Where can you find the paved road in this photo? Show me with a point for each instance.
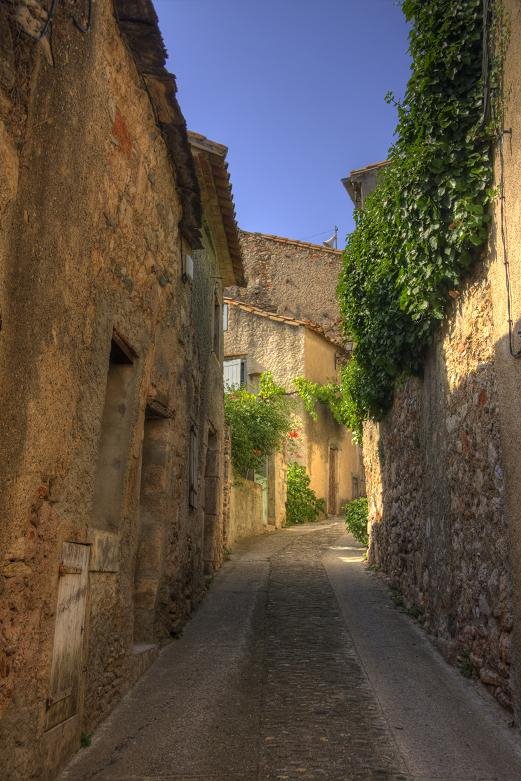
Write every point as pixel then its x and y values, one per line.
pixel 298 666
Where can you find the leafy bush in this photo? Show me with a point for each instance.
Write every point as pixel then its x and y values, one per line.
pixel 259 423
pixel 302 504
pixel 427 220
pixel 356 519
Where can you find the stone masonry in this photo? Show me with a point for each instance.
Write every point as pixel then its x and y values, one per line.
pixel 293 278
pixel 111 471
pixel 436 496
pixel 443 468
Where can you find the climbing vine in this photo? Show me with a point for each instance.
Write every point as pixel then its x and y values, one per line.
pixel 427 220
pixel 312 393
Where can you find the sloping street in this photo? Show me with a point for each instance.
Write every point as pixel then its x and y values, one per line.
pixel 298 665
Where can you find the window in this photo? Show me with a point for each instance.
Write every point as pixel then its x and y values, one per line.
pixel 234 371
pixel 192 469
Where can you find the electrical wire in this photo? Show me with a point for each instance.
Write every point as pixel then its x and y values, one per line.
pixel 48 21
pixel 514 353
pixel 85 28
pixel 50 16
pixel 314 235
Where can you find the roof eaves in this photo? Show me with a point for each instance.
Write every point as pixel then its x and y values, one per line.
pixel 352 183
pixel 216 155
pixel 286 319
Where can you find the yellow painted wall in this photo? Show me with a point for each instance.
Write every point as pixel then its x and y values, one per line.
pixel 325 433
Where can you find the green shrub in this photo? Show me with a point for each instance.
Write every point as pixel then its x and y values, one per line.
pixel 302 504
pixel 259 423
pixel 356 519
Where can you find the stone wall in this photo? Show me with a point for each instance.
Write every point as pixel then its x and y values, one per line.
pixel 245 511
pixel 96 215
pixel 443 467
pixel 292 278
pixel 436 495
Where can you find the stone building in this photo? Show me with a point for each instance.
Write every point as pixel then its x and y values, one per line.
pixel 257 340
pixel 443 469
pixel 292 278
pixel 116 235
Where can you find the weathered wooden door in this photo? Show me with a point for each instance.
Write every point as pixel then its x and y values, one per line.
pixel 333 482
pixel 62 702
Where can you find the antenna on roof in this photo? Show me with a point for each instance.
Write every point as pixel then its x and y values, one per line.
pixel 333 241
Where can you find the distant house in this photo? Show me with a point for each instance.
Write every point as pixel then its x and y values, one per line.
pixel 291 277
pixel 361 182
pixel 257 340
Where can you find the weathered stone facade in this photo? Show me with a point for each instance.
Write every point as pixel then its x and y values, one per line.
pixel 443 469
pixel 293 278
pixel 105 471
pixel 436 495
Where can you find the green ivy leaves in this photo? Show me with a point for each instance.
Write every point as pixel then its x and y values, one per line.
pixel 427 220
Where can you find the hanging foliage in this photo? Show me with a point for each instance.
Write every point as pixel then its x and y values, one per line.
pixel 427 220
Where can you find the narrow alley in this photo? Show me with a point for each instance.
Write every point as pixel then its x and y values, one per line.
pixel 260 381
pixel 298 665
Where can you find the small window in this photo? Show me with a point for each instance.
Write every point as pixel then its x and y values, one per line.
pixel 192 470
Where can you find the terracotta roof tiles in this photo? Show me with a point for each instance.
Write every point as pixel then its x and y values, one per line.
pixel 294 242
pixel 286 319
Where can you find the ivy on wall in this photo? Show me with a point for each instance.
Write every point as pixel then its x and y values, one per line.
pixel 427 220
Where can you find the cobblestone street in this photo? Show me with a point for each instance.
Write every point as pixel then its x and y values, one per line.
pixel 275 678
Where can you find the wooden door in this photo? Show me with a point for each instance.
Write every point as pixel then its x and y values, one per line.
pixel 333 482
pixel 62 702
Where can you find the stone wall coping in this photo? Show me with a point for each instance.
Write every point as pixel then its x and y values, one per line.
pixel 294 242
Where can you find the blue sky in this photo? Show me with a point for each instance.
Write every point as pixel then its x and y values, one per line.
pixel 295 89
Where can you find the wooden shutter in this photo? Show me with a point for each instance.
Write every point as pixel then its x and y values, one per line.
pixel 232 373
pixel 62 702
